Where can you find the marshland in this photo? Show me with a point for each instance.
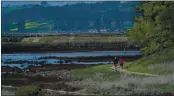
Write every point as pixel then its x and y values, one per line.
pixel 69 49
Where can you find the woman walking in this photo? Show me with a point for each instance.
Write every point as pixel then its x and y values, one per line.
pixel 115 62
pixel 121 61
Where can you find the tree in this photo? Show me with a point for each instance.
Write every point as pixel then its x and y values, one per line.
pixel 79 16
pixel 167 19
pixel 154 27
pixel 44 3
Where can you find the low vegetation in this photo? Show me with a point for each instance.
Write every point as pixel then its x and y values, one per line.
pixel 115 83
pixel 12 75
pixel 30 90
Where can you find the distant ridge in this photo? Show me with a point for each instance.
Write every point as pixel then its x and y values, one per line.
pixel 52 3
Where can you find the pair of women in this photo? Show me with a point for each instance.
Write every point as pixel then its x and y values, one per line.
pixel 118 61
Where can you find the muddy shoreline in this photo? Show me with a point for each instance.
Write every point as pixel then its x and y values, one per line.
pixel 73 46
pixel 59 67
pixel 90 58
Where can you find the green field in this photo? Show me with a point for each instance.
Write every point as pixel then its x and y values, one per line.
pixel 33 26
pixel 30 26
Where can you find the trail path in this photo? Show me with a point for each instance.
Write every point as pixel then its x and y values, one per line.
pixel 130 72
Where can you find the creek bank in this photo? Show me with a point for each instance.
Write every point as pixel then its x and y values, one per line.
pixel 90 58
pixel 71 45
pixel 20 79
pixel 21 49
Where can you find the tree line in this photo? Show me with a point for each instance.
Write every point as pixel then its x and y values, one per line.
pixel 80 16
pixel 154 26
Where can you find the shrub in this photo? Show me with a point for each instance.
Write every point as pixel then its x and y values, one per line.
pixel 30 90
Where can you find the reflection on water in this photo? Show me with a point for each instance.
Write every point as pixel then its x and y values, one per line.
pixel 30 57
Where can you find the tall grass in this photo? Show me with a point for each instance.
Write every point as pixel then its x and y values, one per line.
pixel 127 85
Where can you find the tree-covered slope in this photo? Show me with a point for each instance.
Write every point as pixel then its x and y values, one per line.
pixel 81 16
pixel 154 27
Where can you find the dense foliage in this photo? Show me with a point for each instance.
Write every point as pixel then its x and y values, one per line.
pixel 154 27
pixel 80 16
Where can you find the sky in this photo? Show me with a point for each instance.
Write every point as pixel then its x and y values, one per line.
pixel 53 3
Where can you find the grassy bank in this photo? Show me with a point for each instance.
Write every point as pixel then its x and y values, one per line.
pixel 158 63
pixel 54 38
pixel 100 73
pixel 97 73
pixel 50 44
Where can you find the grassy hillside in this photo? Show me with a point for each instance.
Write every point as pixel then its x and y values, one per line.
pixel 37 26
pixel 30 26
pixel 159 63
pixel 33 26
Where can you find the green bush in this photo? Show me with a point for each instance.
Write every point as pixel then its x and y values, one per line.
pixel 30 90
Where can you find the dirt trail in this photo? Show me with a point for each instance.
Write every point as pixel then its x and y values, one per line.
pixel 136 73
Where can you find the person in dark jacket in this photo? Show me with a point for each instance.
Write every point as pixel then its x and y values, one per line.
pixel 115 62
